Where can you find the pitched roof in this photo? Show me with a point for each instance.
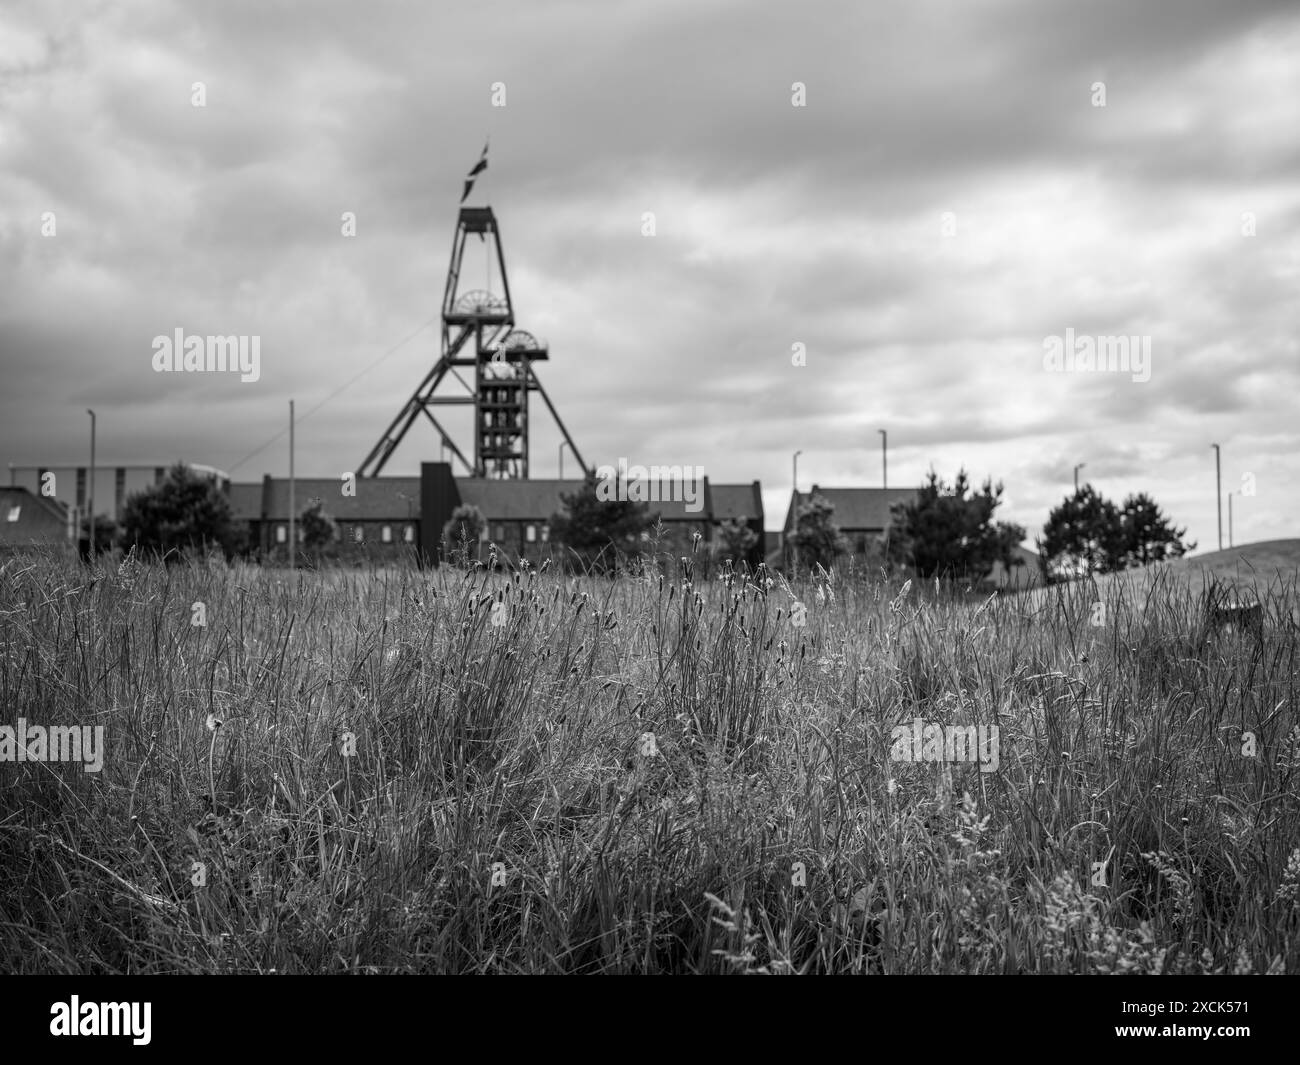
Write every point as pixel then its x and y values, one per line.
pixel 39 517
pixel 538 500
pixel 246 501
pixel 377 498
pixel 516 500
pixel 500 500
pixel 855 508
pixel 735 501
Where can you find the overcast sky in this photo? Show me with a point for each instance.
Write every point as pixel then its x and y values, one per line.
pixel 948 198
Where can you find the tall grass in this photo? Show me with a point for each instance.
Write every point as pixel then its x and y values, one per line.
pixel 506 809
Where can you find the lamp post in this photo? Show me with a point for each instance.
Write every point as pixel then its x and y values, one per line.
pixel 293 532
pixel 563 445
pixel 1218 493
pixel 91 497
pixel 884 458
pixel 1077 468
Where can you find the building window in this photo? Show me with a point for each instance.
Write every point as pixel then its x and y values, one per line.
pixel 119 487
pixel 81 486
pixel 158 474
pixel 408 534
pixel 498 532
pixel 386 534
pixel 14 511
pixel 546 533
pixel 358 534
pixel 530 533
pixel 281 534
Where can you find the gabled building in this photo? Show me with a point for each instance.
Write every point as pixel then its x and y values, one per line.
pixel 518 512
pixel 29 519
pixel 861 514
pixel 390 515
pixel 381 518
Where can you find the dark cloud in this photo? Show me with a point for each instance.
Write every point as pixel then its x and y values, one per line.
pixel 775 225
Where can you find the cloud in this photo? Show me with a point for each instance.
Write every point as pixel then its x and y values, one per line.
pixel 822 225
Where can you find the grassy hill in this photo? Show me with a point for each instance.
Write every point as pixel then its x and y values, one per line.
pixel 1265 562
pixel 1268 571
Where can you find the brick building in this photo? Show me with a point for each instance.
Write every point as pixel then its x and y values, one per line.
pixel 861 514
pixel 393 516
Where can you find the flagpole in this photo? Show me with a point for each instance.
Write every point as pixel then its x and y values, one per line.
pixel 292 530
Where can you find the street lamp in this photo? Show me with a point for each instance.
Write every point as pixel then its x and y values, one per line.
pixel 563 445
pixel 293 529
pixel 92 485
pixel 884 458
pixel 1218 493
pixel 795 476
pixel 1076 476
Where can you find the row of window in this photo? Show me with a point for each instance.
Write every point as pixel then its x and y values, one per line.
pixel 358 534
pixel 531 533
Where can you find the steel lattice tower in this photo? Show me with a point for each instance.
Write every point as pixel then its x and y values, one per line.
pixel 502 359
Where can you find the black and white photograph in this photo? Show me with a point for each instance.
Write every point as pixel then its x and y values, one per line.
pixel 650 488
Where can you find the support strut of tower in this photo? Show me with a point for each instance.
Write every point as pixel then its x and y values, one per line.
pixel 478 332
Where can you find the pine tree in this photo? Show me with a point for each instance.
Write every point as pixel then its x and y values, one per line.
pixel 185 512
pixel 1081 536
pixel 599 531
pixel 950 531
pixel 1147 535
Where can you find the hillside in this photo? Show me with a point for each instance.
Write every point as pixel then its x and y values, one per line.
pixel 1269 569
pixel 1267 561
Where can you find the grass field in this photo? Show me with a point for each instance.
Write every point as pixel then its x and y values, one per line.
pixel 460 771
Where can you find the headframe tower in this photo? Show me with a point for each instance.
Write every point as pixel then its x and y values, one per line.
pixel 478 333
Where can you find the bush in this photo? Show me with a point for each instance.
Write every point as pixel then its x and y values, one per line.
pixel 1087 533
pixel 599 532
pixel 950 531
pixel 816 540
pixel 186 512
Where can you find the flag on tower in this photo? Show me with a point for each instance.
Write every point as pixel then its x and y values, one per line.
pixel 479 167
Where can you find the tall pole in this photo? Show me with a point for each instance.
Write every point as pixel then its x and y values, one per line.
pixel 1076 476
pixel 91 496
pixel 1218 493
pixel 794 476
pixel 292 529
pixel 884 458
